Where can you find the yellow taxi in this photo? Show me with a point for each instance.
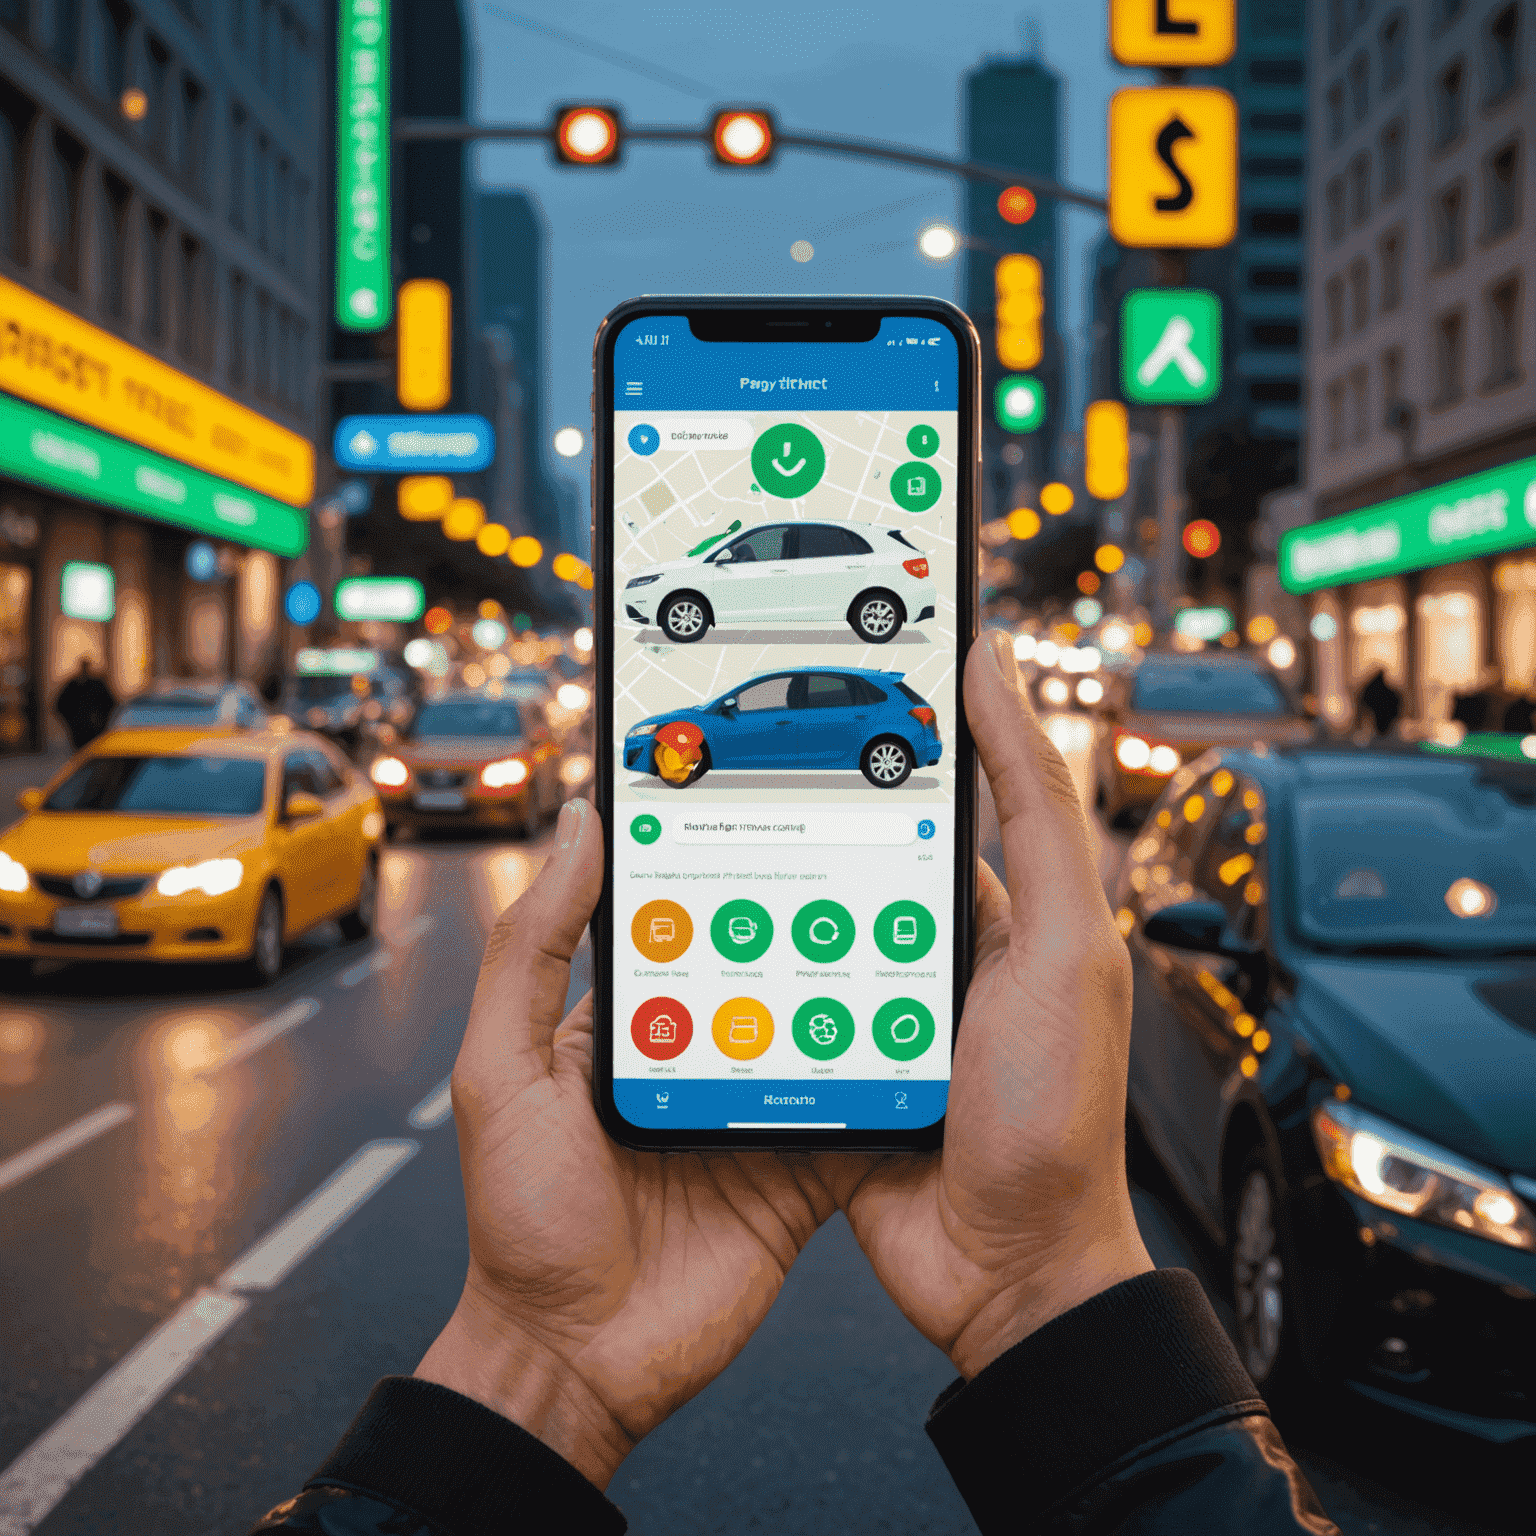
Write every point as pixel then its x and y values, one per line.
pixel 190 845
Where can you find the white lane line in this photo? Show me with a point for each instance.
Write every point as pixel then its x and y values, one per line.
pixel 435 1108
pixel 378 961
pixel 263 1034
pixel 304 1228
pixel 35 1482
pixel 61 1143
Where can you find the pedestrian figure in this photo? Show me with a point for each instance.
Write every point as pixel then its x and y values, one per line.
pixel 1382 702
pixel 1520 714
pixel 84 705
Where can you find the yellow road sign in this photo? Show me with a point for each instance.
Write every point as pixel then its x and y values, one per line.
pixel 1173 34
pixel 1172 166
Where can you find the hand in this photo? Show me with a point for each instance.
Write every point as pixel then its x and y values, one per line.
pixel 605 1287
pixel 1026 1211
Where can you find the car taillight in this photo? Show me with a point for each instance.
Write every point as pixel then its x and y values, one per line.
pixel 1138 755
pixel 926 718
pixel 917 568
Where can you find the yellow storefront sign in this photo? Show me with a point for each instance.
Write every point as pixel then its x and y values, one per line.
pixel 1172 166
pixel 55 359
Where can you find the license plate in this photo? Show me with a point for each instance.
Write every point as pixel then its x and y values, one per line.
pixel 439 800
pixel 85 922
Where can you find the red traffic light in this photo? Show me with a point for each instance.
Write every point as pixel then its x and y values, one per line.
pixel 1016 204
pixel 1202 538
pixel 587 135
pixel 743 136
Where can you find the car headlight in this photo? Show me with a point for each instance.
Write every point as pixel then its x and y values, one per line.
pixel 213 877
pixel 1402 1172
pixel 640 730
pixel 573 696
pixel 640 581
pixel 13 876
pixel 389 772
pixel 504 774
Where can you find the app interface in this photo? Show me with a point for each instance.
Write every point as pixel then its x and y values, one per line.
pixel 785 706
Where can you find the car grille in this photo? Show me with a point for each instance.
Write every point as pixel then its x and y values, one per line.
pixel 440 778
pixel 90 940
pixel 63 886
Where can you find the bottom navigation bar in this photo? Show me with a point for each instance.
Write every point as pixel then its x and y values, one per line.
pixel 705 1104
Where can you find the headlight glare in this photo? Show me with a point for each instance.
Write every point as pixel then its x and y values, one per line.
pixel 389 772
pixel 213 877
pixel 13 876
pixel 505 774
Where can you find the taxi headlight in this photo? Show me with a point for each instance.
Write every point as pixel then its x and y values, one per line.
pixel 505 774
pixel 1404 1173
pixel 13 876
pixel 390 772
pixel 213 877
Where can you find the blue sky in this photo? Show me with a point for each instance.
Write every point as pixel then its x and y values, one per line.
pixel 668 222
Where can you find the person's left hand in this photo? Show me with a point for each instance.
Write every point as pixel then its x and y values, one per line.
pixel 605 1287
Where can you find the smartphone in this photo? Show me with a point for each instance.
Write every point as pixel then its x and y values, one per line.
pixel 785 565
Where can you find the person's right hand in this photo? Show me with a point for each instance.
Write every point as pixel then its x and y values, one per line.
pixel 1026 1212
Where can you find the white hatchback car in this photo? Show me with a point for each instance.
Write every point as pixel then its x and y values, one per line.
pixel 871 578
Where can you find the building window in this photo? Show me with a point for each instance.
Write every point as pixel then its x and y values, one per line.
pixel 1504 333
pixel 113 23
pixel 1394 158
pixel 261 196
pixel 16 117
pixel 1394 50
pixel 1448 13
pixel 237 178
pixel 112 244
pixel 298 233
pixel 264 368
pixel 1450 101
pixel 1333 294
pixel 1335 197
pixel 1274 335
pixel 1338 125
pixel 1360 86
pixel 1503 50
pixel 14 16
pixel 1274 221
pixel 1391 383
pixel 280 180
pixel 194 110
pixel 1450 220
pixel 235 10
pixel 1360 188
pixel 1359 402
pixel 1359 294
pixel 1450 357
pixel 237 346
pixel 156 230
pixel 1336 416
pixel 267 43
pixel 157 84
pixel 1390 249
pixel 189 299
pixel 1338 25
pixel 1273 279
pixel 1501 195
pixel 65 169
pixel 65 47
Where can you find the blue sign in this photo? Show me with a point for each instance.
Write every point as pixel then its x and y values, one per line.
pixel 412 445
pixel 202 560
pixel 302 603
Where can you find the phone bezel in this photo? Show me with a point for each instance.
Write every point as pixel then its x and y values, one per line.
pixel 685 1138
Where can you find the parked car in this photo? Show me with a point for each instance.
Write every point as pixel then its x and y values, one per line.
pixel 1333 1055
pixel 186 845
pixel 177 701
pixel 349 692
pixel 1172 709
pixel 805 718
pixel 874 579
pixel 472 760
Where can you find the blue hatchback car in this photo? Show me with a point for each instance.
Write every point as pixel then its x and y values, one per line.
pixel 803 718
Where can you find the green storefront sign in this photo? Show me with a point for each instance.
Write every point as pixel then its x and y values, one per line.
pixel 1484 514
pixel 363 294
pixel 63 455
pixel 1170 346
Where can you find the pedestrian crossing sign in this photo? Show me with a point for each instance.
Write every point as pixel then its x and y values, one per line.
pixel 1170 346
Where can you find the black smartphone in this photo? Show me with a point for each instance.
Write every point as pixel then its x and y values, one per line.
pixel 785 558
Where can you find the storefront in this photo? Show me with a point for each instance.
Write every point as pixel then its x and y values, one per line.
pixel 1436 591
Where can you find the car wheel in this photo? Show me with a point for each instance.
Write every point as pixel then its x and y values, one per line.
pixel 886 762
pixel 1260 1284
pixel 683 618
pixel 266 957
pixel 876 616
pixel 361 920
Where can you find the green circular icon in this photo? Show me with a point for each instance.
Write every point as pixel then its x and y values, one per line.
pixel 788 460
pixel 923 441
pixel 822 931
pixel 903 1029
pixel 741 930
pixel 915 485
pixel 645 829
pixel 905 931
pixel 823 1028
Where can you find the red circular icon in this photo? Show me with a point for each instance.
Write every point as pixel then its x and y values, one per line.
pixel 661 1028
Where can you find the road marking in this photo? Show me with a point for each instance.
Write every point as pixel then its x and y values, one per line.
pixel 32 1486
pixel 61 1143
pixel 435 1108
pixel 377 961
pixel 299 1233
pixel 35 1482
pixel 260 1035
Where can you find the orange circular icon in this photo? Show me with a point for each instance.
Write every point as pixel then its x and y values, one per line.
pixel 743 1028
pixel 661 930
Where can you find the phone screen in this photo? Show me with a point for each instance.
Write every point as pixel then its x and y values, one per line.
pixel 785 648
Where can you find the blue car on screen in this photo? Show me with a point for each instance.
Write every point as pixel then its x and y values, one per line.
pixel 801 718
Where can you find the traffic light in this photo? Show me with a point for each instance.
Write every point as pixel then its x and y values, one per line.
pixel 1016 204
pixel 424 347
pixel 742 136
pixel 1106 450
pixel 1201 538
pixel 1020 304
pixel 588 134
pixel 1018 403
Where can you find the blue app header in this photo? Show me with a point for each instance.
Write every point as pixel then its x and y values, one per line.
pixel 660 365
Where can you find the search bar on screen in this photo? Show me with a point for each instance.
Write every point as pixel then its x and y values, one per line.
pixel 705 432
pixel 884 829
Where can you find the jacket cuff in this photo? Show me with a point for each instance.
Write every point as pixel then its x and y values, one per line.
pixel 461 1467
pixel 1132 1365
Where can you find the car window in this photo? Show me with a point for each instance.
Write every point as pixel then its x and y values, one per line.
pixel 828 690
pixel 468 717
pixel 1233 867
pixel 1164 856
pixel 247 711
pixel 299 776
pixel 761 544
pixel 175 786
pixel 818 541
pixel 771 693
pixel 1201 688
pixel 170 709
pixel 865 692
pixel 327 780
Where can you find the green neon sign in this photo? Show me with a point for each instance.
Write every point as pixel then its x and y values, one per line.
pixel 63 455
pixel 383 599
pixel 363 293
pixel 1464 519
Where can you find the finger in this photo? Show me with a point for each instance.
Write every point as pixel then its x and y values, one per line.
pixel 992 907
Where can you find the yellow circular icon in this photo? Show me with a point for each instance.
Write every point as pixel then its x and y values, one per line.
pixel 743 1028
pixel 661 930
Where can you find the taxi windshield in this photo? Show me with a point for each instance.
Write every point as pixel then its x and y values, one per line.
pixel 1198 688
pixel 171 709
pixel 167 786
pixel 469 717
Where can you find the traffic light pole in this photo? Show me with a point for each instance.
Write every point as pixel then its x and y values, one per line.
pixel 1172 500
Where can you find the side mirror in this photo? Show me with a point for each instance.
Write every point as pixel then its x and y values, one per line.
pixel 30 800
pixel 725 557
pixel 1198 925
pixel 302 806
pixel 727 706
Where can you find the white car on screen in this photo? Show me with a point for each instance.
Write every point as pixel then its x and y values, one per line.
pixel 873 579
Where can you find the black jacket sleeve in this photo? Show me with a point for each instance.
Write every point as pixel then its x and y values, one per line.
pixel 1130 1413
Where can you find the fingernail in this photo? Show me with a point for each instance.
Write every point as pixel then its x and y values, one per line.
pixel 568 825
pixel 1000 644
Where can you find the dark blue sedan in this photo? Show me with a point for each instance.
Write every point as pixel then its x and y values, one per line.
pixel 803 718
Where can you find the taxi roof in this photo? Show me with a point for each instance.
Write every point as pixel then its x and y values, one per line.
pixel 175 741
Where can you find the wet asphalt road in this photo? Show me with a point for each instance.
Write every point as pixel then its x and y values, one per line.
pixel 816 1428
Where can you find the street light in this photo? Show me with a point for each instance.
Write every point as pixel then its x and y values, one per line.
pixel 938 242
pixel 569 441
pixel 743 136
pixel 588 135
